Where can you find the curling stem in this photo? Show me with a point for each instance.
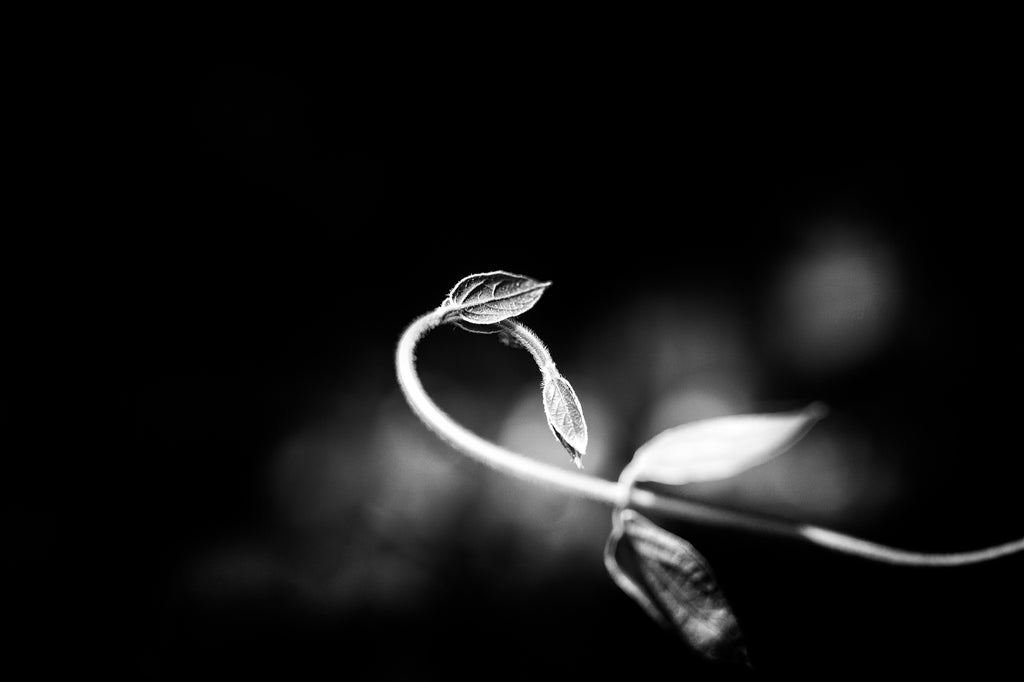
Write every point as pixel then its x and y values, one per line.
pixel 621 495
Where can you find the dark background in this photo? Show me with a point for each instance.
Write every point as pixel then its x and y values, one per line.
pixel 211 472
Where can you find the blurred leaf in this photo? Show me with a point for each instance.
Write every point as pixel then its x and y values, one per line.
pixel 718 448
pixel 493 296
pixel 509 340
pixel 674 585
pixel 565 416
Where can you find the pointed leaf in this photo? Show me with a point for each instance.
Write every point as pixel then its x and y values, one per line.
pixel 674 585
pixel 565 416
pixel 718 448
pixel 493 296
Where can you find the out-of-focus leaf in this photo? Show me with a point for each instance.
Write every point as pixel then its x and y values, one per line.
pixel 493 296
pixel 718 448
pixel 508 339
pixel 674 585
pixel 565 416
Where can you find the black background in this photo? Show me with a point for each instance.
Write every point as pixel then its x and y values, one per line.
pixel 219 242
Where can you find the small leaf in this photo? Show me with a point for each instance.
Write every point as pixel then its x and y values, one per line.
pixel 565 415
pixel 493 296
pixel 674 585
pixel 718 448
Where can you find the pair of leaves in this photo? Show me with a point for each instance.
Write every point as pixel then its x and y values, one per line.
pixel 478 303
pixel 663 573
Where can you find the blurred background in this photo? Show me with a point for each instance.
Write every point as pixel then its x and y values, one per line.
pixel 213 473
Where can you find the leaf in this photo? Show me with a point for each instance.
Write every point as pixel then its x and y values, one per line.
pixel 674 585
pixel 721 447
pixel 493 296
pixel 565 415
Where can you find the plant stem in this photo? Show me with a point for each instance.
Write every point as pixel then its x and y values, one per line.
pixel 531 342
pixel 614 494
pixel 473 445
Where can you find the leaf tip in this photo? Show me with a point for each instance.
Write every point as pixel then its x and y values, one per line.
pixel 576 449
pixel 817 410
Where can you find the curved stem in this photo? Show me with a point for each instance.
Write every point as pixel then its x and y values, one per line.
pixel 530 341
pixel 612 494
pixel 473 445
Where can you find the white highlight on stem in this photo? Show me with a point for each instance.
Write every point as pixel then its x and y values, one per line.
pixel 614 494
